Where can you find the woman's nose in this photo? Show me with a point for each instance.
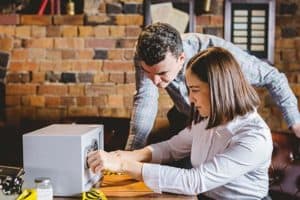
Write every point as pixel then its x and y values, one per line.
pixel 191 98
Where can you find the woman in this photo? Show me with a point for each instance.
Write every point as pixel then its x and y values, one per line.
pixel 229 143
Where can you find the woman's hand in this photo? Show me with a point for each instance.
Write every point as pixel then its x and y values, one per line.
pixel 101 160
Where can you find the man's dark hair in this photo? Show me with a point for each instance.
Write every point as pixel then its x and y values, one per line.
pixel 155 41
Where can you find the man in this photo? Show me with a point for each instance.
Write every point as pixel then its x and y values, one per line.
pixel 160 60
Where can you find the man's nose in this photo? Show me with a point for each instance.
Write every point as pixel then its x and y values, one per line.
pixel 156 79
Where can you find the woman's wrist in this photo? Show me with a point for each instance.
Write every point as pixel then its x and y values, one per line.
pixel 132 168
pixel 143 155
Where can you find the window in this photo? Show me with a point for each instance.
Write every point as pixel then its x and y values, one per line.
pixel 250 25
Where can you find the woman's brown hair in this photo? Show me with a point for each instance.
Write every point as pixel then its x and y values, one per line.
pixel 230 93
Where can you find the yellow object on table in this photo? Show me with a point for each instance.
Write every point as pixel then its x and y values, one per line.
pixel 28 195
pixel 93 194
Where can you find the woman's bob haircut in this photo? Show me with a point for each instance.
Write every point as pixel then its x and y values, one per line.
pixel 230 93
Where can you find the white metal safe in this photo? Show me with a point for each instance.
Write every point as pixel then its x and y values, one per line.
pixel 59 151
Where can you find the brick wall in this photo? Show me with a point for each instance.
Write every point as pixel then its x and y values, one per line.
pixel 81 66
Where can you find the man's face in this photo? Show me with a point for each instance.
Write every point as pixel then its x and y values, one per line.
pixel 165 71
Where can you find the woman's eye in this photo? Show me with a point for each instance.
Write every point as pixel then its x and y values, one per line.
pixel 194 90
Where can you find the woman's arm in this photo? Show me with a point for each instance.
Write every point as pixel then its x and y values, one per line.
pixel 129 162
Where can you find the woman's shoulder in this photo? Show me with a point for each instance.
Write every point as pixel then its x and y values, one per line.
pixel 248 124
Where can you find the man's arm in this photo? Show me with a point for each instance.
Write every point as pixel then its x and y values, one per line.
pixel 144 110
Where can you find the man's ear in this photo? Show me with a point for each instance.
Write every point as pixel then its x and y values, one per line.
pixel 181 57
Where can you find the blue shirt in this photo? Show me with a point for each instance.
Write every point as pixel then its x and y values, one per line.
pixel 257 72
pixel 230 161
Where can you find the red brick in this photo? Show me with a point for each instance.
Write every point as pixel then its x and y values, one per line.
pixel 36 53
pixel 101 78
pixel 68 20
pixel 9 19
pixel 115 54
pixel 100 89
pixel 101 31
pixel 23 31
pixel 23 66
pixel 6 44
pixel 53 54
pixel 129 54
pixel 130 77
pixel 65 65
pixel 87 66
pixel 293 66
pixel 287 43
pixel 7 30
pixel 128 101
pixel 46 66
pixel 53 31
pixel 76 90
pixel 30 66
pixel 100 101
pixel 20 89
pixel 126 89
pixel 84 101
pixel 98 19
pixel 100 43
pixel 133 31
pixel 117 66
pixel 116 112
pixel 12 100
pixel 19 54
pixel 50 114
pixel 126 43
pixel 53 89
pixel 38 77
pixel 37 101
pixel 117 77
pixel 17 77
pixel 69 54
pixel 85 54
pixel 67 101
pixel 117 31
pixel 46 43
pixel 86 111
pixel 216 20
pixel 69 31
pixel 203 20
pixel 69 43
pixel 86 31
pixel 115 101
pixel 18 43
pixel 36 20
pixel 289 55
pixel 38 31
pixel 52 101
pixel 15 66
pixel 132 19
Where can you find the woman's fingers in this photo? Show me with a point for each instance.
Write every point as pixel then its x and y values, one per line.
pixel 95 161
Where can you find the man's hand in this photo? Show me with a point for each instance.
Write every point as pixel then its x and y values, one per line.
pixel 101 160
pixel 296 129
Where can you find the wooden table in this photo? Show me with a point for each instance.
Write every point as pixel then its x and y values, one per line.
pixel 120 187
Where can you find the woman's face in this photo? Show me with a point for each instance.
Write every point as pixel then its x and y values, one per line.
pixel 199 93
